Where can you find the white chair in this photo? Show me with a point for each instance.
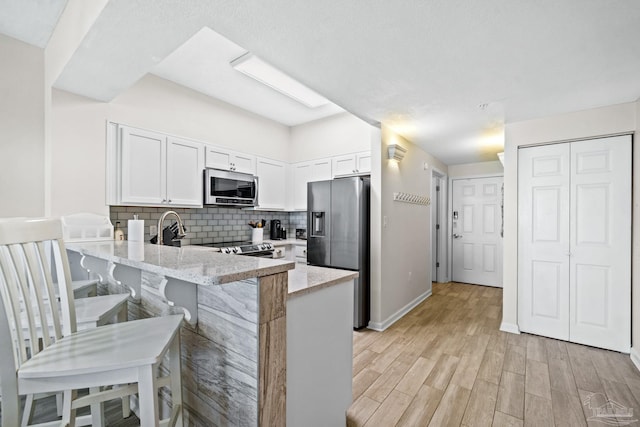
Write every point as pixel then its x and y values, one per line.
pixel 125 354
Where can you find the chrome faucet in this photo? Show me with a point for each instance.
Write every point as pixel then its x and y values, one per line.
pixel 181 232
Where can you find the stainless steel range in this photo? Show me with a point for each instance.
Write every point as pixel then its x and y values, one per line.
pixel 264 249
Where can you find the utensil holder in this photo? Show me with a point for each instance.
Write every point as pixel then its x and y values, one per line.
pixel 257 235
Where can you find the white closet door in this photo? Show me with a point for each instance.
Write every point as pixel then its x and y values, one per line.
pixel 543 240
pixel 574 242
pixel 600 278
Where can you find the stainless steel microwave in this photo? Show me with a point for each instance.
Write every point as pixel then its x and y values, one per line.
pixel 230 188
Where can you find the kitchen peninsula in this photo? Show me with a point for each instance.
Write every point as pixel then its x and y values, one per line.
pixel 251 324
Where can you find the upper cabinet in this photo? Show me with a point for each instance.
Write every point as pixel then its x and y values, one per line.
pixel 272 183
pixel 220 158
pixel 303 173
pixel 350 164
pixel 153 169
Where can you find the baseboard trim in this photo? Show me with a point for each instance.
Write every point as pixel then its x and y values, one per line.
pixel 512 328
pixel 381 326
pixel 635 357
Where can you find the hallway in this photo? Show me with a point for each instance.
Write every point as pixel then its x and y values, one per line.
pixel 447 363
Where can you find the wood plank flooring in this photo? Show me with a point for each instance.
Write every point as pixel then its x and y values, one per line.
pixel 447 364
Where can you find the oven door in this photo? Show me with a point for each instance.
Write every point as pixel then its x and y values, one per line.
pixel 261 254
pixel 230 188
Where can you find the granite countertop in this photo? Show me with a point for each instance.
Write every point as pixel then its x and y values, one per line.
pixel 305 279
pixel 199 265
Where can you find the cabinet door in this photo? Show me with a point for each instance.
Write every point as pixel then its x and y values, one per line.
pixel 320 171
pixel 344 165
pixel 244 163
pixel 143 171
pixel 302 173
pixel 363 162
pixel 271 184
pixel 218 158
pixel 184 172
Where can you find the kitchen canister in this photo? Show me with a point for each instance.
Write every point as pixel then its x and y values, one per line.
pixel 135 229
pixel 257 235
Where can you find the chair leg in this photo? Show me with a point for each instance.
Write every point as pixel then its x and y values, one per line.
pixel 126 406
pixel 97 410
pixel 68 414
pixel 59 404
pixel 148 397
pixel 27 413
pixel 176 378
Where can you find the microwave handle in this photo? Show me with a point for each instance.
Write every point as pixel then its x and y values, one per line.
pixel 255 182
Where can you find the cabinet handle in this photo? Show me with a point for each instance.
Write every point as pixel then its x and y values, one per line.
pixel 169 200
pixel 164 201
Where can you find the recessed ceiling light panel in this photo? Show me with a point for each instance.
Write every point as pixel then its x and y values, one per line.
pixel 259 70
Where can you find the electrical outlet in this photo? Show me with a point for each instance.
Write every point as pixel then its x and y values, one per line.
pixel 153 230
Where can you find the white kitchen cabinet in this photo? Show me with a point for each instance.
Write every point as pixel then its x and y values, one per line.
pixel 220 158
pixel 350 164
pixel 305 172
pixel 300 253
pixel 184 172
pixel 272 183
pixel 158 170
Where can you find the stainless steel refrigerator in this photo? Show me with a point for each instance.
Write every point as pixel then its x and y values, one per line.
pixel 338 233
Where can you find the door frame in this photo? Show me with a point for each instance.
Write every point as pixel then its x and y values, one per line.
pixel 442 274
pixel 450 214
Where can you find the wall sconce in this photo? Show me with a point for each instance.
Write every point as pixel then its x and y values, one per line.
pixel 501 158
pixel 396 152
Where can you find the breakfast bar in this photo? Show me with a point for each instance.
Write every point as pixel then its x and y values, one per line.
pixel 249 331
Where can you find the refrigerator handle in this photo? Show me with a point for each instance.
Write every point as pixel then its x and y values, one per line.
pixel 317 224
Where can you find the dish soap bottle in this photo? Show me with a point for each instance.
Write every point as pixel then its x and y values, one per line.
pixel 118 234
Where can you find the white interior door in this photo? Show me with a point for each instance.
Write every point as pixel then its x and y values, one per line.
pixel 574 268
pixel 543 240
pixel 476 225
pixel 600 259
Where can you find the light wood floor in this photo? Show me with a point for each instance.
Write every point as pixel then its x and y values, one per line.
pixel 446 363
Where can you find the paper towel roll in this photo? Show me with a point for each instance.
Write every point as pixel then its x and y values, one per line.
pixel 135 250
pixel 135 230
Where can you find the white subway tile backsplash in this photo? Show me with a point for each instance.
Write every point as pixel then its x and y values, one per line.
pixel 210 224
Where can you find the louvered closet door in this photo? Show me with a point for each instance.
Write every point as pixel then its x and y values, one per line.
pixel 543 239
pixel 574 255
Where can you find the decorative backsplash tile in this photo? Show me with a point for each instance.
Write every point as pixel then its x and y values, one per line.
pixel 210 224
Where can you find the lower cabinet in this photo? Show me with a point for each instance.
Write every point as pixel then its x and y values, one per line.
pixel 300 253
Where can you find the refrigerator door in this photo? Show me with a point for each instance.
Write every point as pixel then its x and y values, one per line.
pixel 346 217
pixel 319 223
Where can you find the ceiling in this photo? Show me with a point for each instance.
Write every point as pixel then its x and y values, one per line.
pixel 445 74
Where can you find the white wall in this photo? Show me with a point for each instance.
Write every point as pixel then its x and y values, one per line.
pixel 22 100
pixel 472 169
pixel 331 136
pixel 582 124
pixel 405 240
pixel 75 21
pixel 79 126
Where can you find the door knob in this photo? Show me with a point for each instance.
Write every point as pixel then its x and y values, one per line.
pixel 457 236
